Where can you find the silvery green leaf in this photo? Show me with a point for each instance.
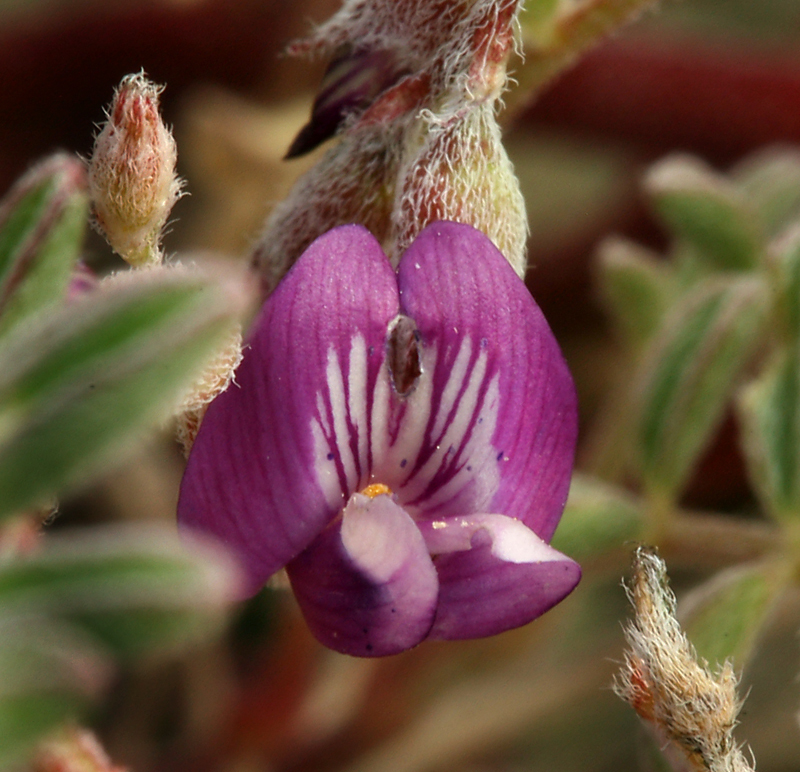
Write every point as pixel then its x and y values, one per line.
pixel 78 387
pixel 770 411
pixel 636 286
pixel 49 673
pixel 724 616
pixel 85 595
pixel 770 180
pixel 706 210
pixel 690 373
pixel 42 222
pixel 131 589
pixel 598 518
pixel 784 265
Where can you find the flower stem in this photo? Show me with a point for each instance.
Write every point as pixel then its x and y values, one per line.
pixel 703 540
pixel 571 35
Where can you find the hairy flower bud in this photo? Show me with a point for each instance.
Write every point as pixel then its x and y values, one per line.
pixel 463 45
pixel 460 172
pixel 690 710
pixel 352 183
pixel 132 177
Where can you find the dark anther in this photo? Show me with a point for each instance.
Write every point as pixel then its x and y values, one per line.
pixel 403 355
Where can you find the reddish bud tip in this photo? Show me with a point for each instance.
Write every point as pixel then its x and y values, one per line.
pixel 132 172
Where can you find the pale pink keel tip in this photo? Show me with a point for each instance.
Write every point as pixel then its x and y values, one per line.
pixel 401 442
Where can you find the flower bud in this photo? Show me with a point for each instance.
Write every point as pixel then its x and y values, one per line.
pixel 460 172
pixel 462 45
pixel 132 177
pixel 354 182
pixel 690 710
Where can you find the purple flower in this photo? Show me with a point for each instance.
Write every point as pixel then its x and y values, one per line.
pixel 401 442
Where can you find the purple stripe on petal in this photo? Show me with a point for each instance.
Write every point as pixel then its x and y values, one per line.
pixel 277 452
pixel 505 578
pixel 367 586
pixel 494 365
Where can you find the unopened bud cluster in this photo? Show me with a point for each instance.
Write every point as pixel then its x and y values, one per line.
pixel 132 177
pixel 413 93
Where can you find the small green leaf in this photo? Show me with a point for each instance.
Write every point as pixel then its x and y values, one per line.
pixel 706 210
pixel 27 719
pixel 784 262
pixel 80 386
pixel 598 519
pixel 121 590
pixel 770 412
pixel 133 590
pixel 636 285
pixel 48 675
pixel 724 616
pixel 770 180
pixel 42 222
pixel 690 374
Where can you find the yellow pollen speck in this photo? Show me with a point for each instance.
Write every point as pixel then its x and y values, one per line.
pixel 376 489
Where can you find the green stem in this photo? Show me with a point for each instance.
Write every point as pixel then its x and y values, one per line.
pixel 573 33
pixel 702 540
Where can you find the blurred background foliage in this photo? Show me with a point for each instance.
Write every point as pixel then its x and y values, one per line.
pixel 681 332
